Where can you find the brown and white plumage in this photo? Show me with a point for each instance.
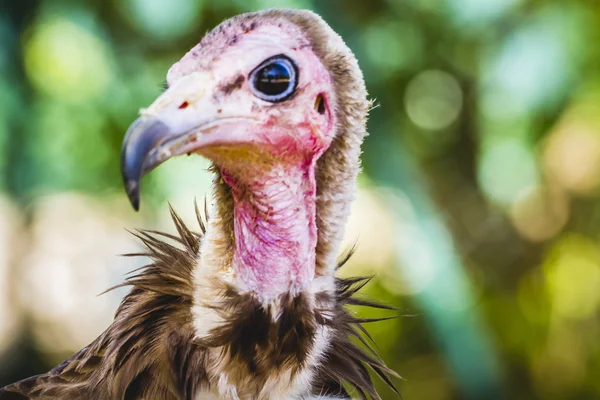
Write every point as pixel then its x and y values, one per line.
pixel 201 320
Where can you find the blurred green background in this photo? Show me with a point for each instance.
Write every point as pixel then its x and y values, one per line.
pixel 478 209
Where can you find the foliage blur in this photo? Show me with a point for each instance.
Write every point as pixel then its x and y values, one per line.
pixel 478 209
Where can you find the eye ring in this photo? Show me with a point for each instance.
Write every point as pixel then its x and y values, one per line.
pixel 275 79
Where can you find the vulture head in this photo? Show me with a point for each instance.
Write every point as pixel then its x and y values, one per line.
pixel 277 101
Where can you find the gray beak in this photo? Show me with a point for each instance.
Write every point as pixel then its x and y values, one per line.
pixel 184 119
pixel 139 153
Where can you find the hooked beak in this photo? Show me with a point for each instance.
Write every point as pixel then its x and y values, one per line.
pixel 182 120
pixel 139 155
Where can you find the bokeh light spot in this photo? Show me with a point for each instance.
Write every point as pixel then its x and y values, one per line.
pixel 433 99
pixel 391 45
pixel 165 20
pixel 539 212
pixel 572 272
pixel 572 154
pixel 506 168
pixel 67 61
pixel 530 71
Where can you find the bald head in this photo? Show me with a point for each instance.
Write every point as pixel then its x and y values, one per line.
pixel 254 92
pixel 262 89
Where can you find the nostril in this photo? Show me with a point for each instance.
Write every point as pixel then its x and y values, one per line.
pixel 183 105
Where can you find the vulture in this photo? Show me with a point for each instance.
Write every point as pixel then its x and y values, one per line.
pixel 247 306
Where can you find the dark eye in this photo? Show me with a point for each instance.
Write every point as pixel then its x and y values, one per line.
pixel 275 79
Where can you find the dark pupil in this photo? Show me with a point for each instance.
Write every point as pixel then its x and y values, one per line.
pixel 273 79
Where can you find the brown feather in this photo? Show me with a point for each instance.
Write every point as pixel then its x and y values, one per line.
pixel 150 350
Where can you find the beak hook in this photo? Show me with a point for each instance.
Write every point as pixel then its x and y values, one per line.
pixel 137 153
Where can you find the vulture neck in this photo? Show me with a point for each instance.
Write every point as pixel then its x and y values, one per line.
pixel 271 211
pixel 274 228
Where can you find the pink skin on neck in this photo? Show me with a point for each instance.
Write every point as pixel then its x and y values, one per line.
pixel 275 228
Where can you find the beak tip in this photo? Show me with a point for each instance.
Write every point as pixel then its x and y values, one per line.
pixel 133 193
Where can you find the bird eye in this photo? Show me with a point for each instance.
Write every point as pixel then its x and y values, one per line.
pixel 275 79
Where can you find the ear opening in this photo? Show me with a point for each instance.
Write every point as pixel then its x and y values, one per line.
pixel 320 104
